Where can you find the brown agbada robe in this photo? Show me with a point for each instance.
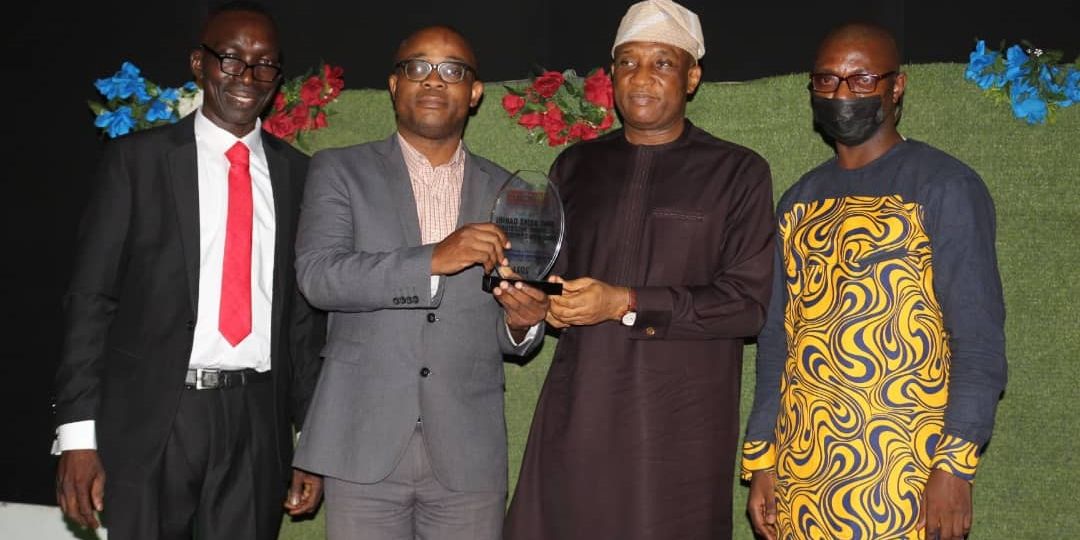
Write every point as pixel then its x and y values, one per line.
pixel 635 432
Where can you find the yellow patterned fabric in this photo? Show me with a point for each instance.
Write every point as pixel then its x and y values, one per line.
pixel 865 383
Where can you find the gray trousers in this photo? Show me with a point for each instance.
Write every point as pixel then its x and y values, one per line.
pixel 411 504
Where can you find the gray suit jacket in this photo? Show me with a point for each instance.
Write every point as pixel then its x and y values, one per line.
pixel 395 353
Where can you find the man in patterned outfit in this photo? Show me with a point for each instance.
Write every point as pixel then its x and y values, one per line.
pixel 883 353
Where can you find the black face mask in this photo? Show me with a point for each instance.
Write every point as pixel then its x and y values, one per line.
pixel 848 121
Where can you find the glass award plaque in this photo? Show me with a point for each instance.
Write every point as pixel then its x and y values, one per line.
pixel 528 209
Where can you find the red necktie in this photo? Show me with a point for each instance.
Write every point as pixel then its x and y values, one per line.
pixel 234 319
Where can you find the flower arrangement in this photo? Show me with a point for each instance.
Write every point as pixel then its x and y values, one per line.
pixel 134 103
pixel 300 104
pixel 1028 78
pixel 563 108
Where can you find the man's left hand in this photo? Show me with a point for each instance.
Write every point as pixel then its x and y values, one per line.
pixel 586 301
pixel 946 509
pixel 305 492
pixel 525 306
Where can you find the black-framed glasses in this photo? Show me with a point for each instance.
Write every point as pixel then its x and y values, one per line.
pixel 858 83
pixel 450 71
pixel 233 65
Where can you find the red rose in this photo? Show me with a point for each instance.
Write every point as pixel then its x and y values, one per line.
pixel 598 89
pixel 334 81
pixel 531 120
pixel 554 125
pixel 583 131
pixel 299 116
pixel 280 125
pixel 280 102
pixel 512 103
pixel 318 122
pixel 311 91
pixel 548 83
pixel 609 119
pixel 555 139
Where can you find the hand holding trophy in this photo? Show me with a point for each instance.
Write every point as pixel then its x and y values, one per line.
pixel 528 209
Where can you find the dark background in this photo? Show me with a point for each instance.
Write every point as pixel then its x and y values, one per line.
pixel 54 53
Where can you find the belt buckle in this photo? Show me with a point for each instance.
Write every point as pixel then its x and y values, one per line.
pixel 199 372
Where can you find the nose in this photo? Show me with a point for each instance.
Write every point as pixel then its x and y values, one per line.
pixel 433 79
pixel 642 75
pixel 247 76
pixel 844 91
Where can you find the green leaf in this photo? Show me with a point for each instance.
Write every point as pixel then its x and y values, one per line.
pixel 96 107
pixel 1052 57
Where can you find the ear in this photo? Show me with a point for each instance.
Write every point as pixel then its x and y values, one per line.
pixel 475 94
pixel 898 87
pixel 693 78
pixel 391 83
pixel 195 60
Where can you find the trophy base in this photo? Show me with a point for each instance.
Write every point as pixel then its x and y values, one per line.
pixel 546 287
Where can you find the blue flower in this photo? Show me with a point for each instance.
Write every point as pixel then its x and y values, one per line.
pixel 128 70
pixel 169 95
pixel 1032 109
pixel 979 61
pixel 1021 88
pixel 159 110
pixel 190 86
pixel 116 123
pixel 1015 61
pixel 1071 87
pixel 987 80
pixel 124 84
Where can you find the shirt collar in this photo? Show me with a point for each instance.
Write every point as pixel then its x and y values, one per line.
pixel 219 140
pixel 457 160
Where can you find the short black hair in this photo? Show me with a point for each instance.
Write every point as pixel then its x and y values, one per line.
pixel 240 5
pixel 249 6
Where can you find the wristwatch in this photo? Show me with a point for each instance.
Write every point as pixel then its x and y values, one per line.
pixel 629 317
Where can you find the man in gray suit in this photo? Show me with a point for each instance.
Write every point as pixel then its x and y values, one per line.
pixel 407 419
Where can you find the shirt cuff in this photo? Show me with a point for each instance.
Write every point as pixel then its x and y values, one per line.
pixel 529 336
pixel 757 456
pixel 75 436
pixel 956 457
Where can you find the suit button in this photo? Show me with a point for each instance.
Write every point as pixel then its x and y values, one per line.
pixel 397 300
pixel 416 299
pixel 431 317
pixel 650 331
pixel 191 325
pixel 424 372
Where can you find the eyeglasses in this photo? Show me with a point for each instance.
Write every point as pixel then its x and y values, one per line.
pixel 449 71
pixel 858 83
pixel 233 65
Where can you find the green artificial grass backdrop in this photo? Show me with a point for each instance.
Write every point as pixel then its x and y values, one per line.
pixel 1027 480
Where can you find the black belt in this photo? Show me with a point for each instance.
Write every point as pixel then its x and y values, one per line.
pixel 206 379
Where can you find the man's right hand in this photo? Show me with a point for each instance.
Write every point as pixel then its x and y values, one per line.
pixel 475 243
pixel 80 486
pixel 761 503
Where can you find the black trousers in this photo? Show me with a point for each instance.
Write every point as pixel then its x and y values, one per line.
pixel 219 478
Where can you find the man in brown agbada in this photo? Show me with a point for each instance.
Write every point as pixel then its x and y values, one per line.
pixel 666 269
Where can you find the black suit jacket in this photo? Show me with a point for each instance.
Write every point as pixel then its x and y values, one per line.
pixel 130 309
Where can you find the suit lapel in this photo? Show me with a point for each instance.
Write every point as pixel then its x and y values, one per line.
pixel 477 193
pixel 401 191
pixel 280 183
pixel 184 180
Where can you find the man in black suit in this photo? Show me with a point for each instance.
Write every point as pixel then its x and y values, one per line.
pixel 189 354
